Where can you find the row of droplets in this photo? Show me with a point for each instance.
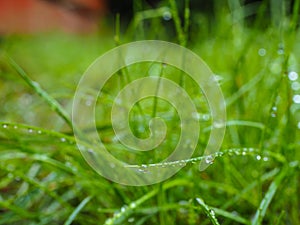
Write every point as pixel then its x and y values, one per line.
pixel 30 130
pixel 295 86
pixel 209 159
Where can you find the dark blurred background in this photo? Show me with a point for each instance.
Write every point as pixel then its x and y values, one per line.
pixel 84 16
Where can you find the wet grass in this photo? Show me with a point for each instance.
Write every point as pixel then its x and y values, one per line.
pixel 254 179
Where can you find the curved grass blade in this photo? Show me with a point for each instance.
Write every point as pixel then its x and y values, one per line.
pixel 209 212
pixel 41 92
pixel 77 210
pixel 262 209
pixel 126 211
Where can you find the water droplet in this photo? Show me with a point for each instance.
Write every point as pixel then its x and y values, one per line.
pixel 273 114
pixel 132 205
pixel 91 151
pixel 293 75
pixel 237 151
pixel 212 212
pixel 219 154
pixel 265 159
pixel 123 208
pixel 244 153
pixel 4 126
pixel 298 125
pixel 258 157
pixel 115 139
pixel 274 108
pixel 218 124
pixel 15 127
pixel 131 220
pixel 251 149
pixel 118 101
pixel 167 15
pixel 30 130
pixel 143 168
pixel 39 132
pixel 89 101
pixel 196 115
pixel 209 159
pixel 280 49
pixel 262 52
pixel 182 163
pixel 163 165
pixel 296 99
pixel 296 86
pixel 63 139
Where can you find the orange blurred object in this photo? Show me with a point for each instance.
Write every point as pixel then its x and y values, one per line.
pixel 32 16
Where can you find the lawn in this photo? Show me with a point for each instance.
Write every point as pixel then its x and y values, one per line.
pixel 252 49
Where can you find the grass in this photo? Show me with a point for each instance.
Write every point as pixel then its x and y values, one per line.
pixel 254 179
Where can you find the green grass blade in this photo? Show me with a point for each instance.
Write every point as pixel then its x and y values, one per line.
pixel 231 216
pixel 209 212
pixel 77 210
pixel 41 92
pixel 262 209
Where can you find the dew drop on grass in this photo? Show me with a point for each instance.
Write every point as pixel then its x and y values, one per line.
pixel 196 116
pixel 182 163
pixel 265 159
pixel 296 99
pixel 131 220
pixel 132 205
pixel 39 132
pixel 258 157
pixel 30 130
pixel 123 208
pixel 296 86
pixel 90 151
pixel 209 159
pixel 167 15
pixel 219 154
pixel 298 125
pixel 206 117
pixel 63 139
pixel 143 168
pixel 15 127
pixel 293 75
pixel 218 124
pixel 262 52
pixel 273 114
pixel 4 126
pixel 212 212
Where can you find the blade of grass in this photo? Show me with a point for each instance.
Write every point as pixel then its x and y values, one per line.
pixel 41 92
pixel 231 216
pixel 262 209
pixel 77 210
pixel 126 211
pixel 208 211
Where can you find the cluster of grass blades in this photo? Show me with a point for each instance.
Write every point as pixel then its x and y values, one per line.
pixel 253 179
